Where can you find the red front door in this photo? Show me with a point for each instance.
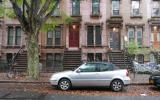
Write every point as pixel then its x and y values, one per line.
pixel 74 36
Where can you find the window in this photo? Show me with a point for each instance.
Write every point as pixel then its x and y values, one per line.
pixel 75 7
pixel 0 2
pixel 139 37
pixel 57 10
pixel 18 36
pixel 57 59
pixel 50 38
pixel 98 57
pixel 90 57
pixel 90 35
pixel 115 7
pixel 89 67
pixel 10 35
pixel 54 37
pixel 136 35
pixel 156 8
pixel 50 60
pixel 131 34
pixel 135 7
pixel 103 67
pixel 152 37
pixel 53 61
pixel 158 37
pixel 58 36
pixel 94 57
pixel 94 36
pixel 95 7
pixel 140 58
pixel 98 35
pixel 14 35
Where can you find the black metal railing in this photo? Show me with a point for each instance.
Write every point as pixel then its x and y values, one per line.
pixel 12 61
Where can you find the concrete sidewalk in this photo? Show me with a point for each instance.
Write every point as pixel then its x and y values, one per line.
pixel 138 79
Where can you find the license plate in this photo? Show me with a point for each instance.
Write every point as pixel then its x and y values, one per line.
pixel 151 82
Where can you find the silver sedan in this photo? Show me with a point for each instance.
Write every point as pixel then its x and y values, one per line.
pixel 92 74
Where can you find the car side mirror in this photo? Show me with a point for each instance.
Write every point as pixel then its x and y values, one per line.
pixel 78 71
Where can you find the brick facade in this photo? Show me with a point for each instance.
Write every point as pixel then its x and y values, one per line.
pixel 105 20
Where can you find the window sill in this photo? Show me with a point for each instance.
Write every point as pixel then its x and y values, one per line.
pixel 13 46
pixel 93 46
pixel 77 16
pixel 56 16
pixel 116 16
pixel 48 46
pixel 136 17
pixel 95 15
pixel 155 17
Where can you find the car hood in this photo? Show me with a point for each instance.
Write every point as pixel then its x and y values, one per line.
pixel 63 72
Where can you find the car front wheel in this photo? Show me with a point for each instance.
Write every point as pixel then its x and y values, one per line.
pixel 64 84
pixel 117 85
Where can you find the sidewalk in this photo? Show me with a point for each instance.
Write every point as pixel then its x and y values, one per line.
pixel 139 79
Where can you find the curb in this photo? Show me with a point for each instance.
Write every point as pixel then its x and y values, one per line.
pixel 15 81
pixel 139 84
pixel 40 82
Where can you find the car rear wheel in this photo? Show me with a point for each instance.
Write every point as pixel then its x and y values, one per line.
pixel 117 85
pixel 64 84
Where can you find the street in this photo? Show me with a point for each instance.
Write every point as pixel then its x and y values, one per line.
pixel 43 91
pixel 38 96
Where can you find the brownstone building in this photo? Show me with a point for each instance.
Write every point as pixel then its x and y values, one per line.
pixel 100 32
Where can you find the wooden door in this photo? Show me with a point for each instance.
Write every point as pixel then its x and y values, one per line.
pixel 115 40
pixel 74 36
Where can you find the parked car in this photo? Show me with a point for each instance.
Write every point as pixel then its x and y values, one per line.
pixel 92 74
pixel 154 79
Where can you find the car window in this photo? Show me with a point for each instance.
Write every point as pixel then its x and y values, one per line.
pixel 103 67
pixel 88 68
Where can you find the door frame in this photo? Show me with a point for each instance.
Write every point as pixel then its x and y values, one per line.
pixel 117 31
pixel 70 47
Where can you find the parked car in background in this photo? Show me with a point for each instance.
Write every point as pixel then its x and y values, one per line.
pixel 154 79
pixel 92 74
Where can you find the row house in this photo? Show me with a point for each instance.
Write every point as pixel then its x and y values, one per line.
pixel 100 31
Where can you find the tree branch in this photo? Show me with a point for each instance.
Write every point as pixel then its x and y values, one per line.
pixel 44 8
pixel 22 19
pixel 51 12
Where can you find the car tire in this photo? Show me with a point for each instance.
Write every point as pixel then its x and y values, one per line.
pixel 117 85
pixel 64 84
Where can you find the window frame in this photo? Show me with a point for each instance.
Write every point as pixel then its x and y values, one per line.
pixel 133 8
pixel 57 29
pixel 136 37
pixel 97 11
pixel 18 36
pixel 57 9
pixel 10 38
pixel 154 8
pixel 50 33
pixel 115 1
pixel 77 7
pixel 95 70
pixel 94 37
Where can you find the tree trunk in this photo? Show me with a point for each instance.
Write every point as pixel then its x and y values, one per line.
pixel 33 56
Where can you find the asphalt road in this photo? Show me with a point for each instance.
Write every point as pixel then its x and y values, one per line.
pixel 38 96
